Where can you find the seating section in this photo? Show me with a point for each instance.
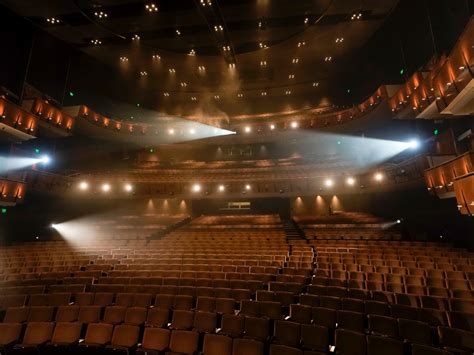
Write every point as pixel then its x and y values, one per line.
pixel 236 285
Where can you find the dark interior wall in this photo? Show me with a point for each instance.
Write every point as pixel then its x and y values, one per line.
pixel 16 36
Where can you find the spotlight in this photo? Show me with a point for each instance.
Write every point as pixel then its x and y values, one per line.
pixel 128 188
pixel 53 225
pixel 294 124
pixel 106 187
pixel 272 127
pixel 45 159
pixel 192 131
pixel 378 177
pixel 171 131
pixel 328 183
pixel 221 188
pixel 413 144
pixel 247 187
pixel 83 185
pixel 248 129
pixel 399 221
pixel 196 188
pixel 350 181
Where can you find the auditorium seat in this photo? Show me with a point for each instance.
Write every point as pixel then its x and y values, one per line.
pixel 157 317
pixel 98 335
pixel 37 334
pixel 124 339
pixel 315 337
pixel 65 336
pixel 385 326
pixel 414 331
pixel 205 322
pixel 256 328
pixel 232 325
pixel 9 335
pixel 284 350
pixel 287 333
pixel 380 345
pixel 155 341
pixel 419 349
pixel 182 319
pixel 217 345
pixel 247 347
pixel 350 343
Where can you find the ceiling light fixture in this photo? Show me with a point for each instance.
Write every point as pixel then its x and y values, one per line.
pixel 52 20
pixel 151 7
pixel 100 14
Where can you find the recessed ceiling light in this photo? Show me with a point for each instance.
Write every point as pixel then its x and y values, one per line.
pixel 218 28
pixel 135 38
pixel 143 73
pixel 294 124
pixel 272 127
pixel 247 129
pixel 295 60
pixel 301 44
pixel 192 52
pixel 291 76
pixel 178 32
pixel 96 42
pixel 100 14
pixel 288 92
pixel 171 131
pixel 201 68
pixel 315 84
pixel 156 57
pixel 217 97
pixel 52 20
pixel 356 16
pixel 123 59
pixel 151 7
pixel 328 183
pixel 240 95
pixel 264 93
pixel 221 188
pixel 339 39
pixel 328 59
pixel 166 94
pixel 172 70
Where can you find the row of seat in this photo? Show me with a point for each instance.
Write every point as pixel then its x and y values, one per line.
pixel 46 337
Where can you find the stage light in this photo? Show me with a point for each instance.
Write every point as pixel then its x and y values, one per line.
pixel 413 144
pixel 248 129
pixel 328 183
pixel 53 225
pixel 221 188
pixel 196 188
pixel 294 125
pixel 192 131
pixel 171 131
pixel 83 185
pixel 350 181
pixel 45 159
pixel 105 187
pixel 128 188
pixel 378 177
pixel 399 221
pixel 272 127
